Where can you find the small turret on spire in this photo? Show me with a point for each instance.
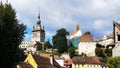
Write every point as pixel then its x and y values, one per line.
pixel 38 21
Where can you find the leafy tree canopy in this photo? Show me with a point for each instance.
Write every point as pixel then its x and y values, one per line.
pixel 60 41
pixel 11 35
pixel 47 44
pixel 113 62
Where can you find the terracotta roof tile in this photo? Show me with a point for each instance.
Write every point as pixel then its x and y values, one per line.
pixel 86 38
pixel 44 62
pixel 67 62
pixel 87 60
pixel 48 55
pixel 73 33
pixel 25 65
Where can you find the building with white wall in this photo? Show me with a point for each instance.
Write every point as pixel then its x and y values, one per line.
pixel 87 44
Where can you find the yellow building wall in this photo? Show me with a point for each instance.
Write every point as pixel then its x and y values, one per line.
pixel 85 66
pixel 31 60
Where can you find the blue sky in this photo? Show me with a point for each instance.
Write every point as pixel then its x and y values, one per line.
pixel 95 16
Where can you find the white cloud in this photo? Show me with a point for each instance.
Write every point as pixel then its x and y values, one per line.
pixel 100 24
pixel 90 14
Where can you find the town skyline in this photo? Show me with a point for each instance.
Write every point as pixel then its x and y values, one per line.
pixel 94 16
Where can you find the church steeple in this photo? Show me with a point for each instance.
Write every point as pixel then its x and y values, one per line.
pixel 38 32
pixel 38 26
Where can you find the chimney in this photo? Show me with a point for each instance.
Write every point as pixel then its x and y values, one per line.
pixel 52 59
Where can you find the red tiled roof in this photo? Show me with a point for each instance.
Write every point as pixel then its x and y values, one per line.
pixel 86 38
pixel 48 55
pixel 73 33
pixel 67 62
pixel 25 65
pixel 87 60
pixel 44 62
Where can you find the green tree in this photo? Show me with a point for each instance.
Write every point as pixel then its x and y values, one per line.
pixel 71 51
pixel 113 62
pixel 99 50
pixel 108 52
pixel 11 35
pixel 39 45
pixel 47 44
pixel 60 41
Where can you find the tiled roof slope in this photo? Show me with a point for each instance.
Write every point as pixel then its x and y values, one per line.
pixel 48 55
pixel 25 65
pixel 87 37
pixel 44 62
pixel 73 33
pixel 87 60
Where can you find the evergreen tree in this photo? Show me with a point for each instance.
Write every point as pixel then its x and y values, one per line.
pixel 60 41
pixel 11 35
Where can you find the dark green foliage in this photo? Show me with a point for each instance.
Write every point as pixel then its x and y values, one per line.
pixel 39 46
pixel 99 45
pixel 47 44
pixel 11 35
pixel 99 52
pixel 71 51
pixel 83 55
pixel 60 41
pixel 113 62
pixel 108 52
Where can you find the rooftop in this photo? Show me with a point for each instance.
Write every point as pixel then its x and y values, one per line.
pixel 87 37
pixel 87 60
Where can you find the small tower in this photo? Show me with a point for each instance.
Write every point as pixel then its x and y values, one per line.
pixel 38 33
pixel 77 27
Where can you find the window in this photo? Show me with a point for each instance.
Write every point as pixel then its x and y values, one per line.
pixel 118 37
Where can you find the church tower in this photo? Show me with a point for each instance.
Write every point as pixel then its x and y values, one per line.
pixel 38 32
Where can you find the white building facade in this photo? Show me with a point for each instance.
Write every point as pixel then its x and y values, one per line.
pixel 87 48
pixel 87 45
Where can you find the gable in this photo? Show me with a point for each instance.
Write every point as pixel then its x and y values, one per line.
pixel 31 60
